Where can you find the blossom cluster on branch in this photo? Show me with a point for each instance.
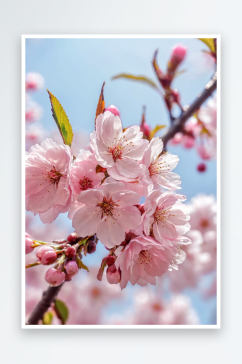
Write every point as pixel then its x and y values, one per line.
pixel 101 189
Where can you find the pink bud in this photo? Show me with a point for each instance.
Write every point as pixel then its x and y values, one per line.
pixel 73 238
pixel 54 277
pixel 201 167
pixel 113 109
pixel 188 141
pixel 71 268
pixel 70 252
pixel 145 128
pixel 113 275
pixel 28 243
pixel 178 54
pixel 110 260
pixel 47 255
pixel 176 139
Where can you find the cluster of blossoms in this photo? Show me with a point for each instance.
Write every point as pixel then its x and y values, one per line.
pixel 101 189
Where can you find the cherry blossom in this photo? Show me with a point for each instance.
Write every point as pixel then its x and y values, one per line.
pixel 118 151
pixel 108 212
pixel 160 166
pixel 47 179
pixel 165 216
pixel 83 174
pixel 142 260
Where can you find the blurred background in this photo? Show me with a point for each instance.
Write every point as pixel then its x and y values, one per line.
pixel 74 70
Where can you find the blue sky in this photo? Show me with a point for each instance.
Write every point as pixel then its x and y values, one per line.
pixel 74 70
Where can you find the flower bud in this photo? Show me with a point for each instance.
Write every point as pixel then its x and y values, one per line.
pixel 113 109
pixel 178 54
pixel 201 167
pixel 110 260
pixel 70 252
pixel 47 255
pixel 73 238
pixel 113 275
pixel 71 268
pixel 54 277
pixel 92 246
pixel 28 244
pixel 145 128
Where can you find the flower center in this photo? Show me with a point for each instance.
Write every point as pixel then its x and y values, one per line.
pixel 107 206
pixel 117 152
pixel 161 215
pixel 158 166
pixel 85 183
pixel 144 257
pixel 204 223
pixel 54 176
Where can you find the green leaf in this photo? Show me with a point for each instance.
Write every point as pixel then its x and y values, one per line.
pixel 61 120
pixel 80 264
pixel 136 78
pixel 47 318
pixel 210 43
pixel 61 311
pixel 154 131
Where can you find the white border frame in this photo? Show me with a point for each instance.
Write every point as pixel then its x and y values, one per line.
pixel 92 36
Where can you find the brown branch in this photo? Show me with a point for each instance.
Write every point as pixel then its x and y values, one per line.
pixel 43 305
pixel 179 122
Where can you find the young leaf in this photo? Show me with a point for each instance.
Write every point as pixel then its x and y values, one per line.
pixel 61 120
pixel 154 131
pixel 210 43
pixel 80 264
pixel 61 311
pixel 136 78
pixel 47 318
pixel 101 102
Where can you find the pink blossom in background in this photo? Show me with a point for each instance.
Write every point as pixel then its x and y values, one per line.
pixel 160 166
pixel 47 179
pixel 33 112
pixel 203 211
pixel 34 81
pixel 108 212
pixel 120 152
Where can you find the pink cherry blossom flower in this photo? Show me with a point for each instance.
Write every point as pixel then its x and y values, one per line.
pixel 33 112
pixel 118 151
pixel 47 179
pixel 165 215
pixel 83 174
pixel 142 260
pixel 179 311
pixel 160 166
pixel 203 210
pixel 108 212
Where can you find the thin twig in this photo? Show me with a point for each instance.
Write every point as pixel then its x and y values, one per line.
pixel 43 305
pixel 179 122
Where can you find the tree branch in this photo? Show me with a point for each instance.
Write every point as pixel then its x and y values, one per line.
pixel 43 305
pixel 179 122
